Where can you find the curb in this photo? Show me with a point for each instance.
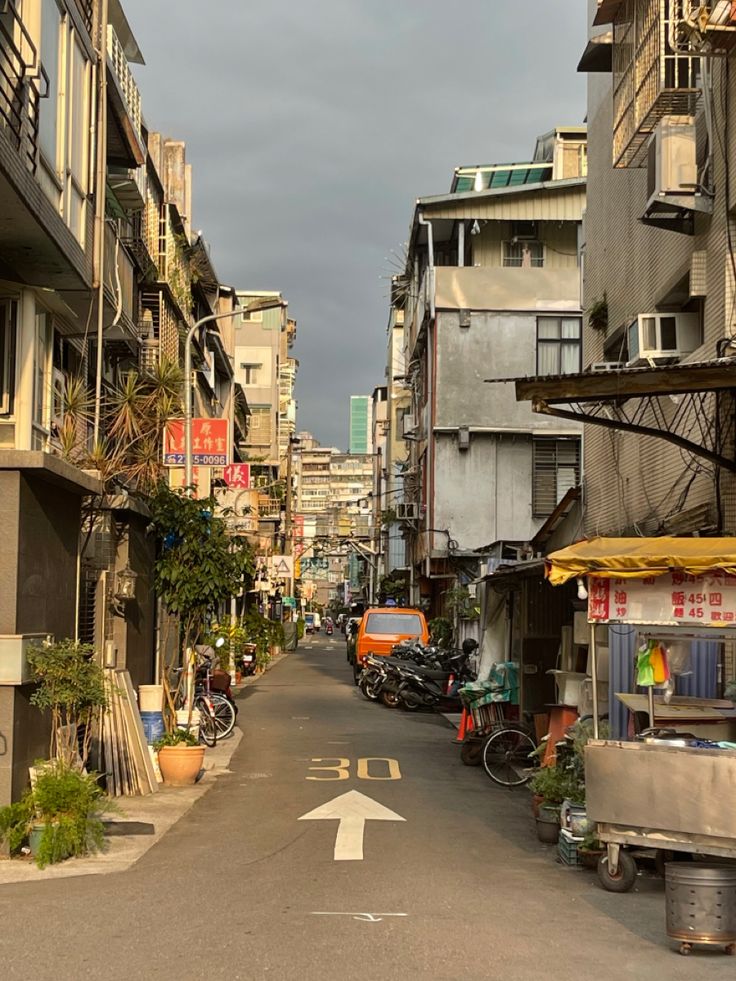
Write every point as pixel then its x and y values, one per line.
pixel 146 819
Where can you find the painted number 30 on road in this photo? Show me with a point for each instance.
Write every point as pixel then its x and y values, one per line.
pixel 368 768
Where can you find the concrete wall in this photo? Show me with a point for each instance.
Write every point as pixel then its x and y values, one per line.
pixel 38 578
pixel 134 634
pixel 496 345
pixel 483 494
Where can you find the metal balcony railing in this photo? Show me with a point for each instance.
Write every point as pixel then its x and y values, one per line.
pixel 21 82
pixel 124 75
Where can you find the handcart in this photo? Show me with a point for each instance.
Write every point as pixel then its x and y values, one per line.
pixel 504 745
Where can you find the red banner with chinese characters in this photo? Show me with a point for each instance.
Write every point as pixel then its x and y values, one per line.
pixel 237 475
pixel 209 443
pixel 675 598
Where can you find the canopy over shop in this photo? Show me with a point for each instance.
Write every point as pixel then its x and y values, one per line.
pixel 656 793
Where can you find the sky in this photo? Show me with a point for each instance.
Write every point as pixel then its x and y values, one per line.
pixel 313 126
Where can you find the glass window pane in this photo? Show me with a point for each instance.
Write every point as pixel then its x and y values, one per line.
pixel 78 123
pixel 548 359
pixel 569 358
pixel 548 327
pixel 668 332
pixel 48 108
pixel 571 326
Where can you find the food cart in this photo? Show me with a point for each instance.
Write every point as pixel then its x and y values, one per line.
pixel 670 796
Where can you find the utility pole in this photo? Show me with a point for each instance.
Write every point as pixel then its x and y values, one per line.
pixel 288 544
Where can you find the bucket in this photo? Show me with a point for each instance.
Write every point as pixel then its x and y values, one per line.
pixel 182 718
pixel 701 902
pixel 153 725
pixel 150 698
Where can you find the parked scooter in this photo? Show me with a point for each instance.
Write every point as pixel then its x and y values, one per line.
pixel 418 687
pixel 329 630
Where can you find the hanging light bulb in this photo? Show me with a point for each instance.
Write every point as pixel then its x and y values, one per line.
pixel 582 591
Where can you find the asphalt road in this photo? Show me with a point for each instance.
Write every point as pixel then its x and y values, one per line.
pixel 240 888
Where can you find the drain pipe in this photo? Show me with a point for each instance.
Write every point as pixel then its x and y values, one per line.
pixel 430 384
pixel 100 179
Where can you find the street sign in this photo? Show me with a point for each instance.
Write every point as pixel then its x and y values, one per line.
pixel 352 810
pixel 282 566
pixel 290 602
pixel 210 443
pixel 237 475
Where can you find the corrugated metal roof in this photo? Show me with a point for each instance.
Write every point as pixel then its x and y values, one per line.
pixel 584 386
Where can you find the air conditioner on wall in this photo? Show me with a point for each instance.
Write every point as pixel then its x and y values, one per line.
pixel 662 338
pixel 602 366
pixel 409 426
pixel 672 167
pixel 407 512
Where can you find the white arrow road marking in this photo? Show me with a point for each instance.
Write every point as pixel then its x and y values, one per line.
pixel 365 917
pixel 352 810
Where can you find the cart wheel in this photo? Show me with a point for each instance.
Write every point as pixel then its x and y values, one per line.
pixel 685 949
pixel 471 752
pixel 625 876
pixel 731 949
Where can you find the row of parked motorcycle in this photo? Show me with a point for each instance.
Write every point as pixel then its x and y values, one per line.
pixel 417 675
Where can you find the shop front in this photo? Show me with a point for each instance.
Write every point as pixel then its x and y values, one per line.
pixel 668 782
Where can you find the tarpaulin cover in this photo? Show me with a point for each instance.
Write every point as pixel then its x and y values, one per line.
pixel 631 558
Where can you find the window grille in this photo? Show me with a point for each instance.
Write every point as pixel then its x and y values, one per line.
pixel 555 470
pixel 523 254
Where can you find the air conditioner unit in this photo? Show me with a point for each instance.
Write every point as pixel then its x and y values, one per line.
pixel 661 338
pixel 409 426
pixel 672 169
pixel 600 366
pixel 407 512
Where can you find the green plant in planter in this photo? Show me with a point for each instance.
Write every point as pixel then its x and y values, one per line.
pixel 555 784
pixel 440 631
pixel 71 686
pixel 177 737
pixel 300 627
pixel 598 314
pixel 63 810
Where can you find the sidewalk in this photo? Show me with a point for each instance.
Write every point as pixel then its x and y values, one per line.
pixel 141 821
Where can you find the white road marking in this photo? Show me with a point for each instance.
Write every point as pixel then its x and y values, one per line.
pixel 352 810
pixel 365 917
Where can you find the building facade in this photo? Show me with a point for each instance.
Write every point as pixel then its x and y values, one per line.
pixel 360 424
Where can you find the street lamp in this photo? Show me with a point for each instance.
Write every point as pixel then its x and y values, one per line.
pixel 210 318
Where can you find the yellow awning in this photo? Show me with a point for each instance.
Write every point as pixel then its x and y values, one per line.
pixel 629 558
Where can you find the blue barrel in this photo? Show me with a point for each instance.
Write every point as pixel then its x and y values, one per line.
pixel 153 725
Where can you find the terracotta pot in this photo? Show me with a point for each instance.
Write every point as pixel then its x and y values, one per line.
pixel 537 801
pixel 180 765
pixel 238 677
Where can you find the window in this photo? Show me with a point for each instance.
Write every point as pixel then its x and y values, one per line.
pixel 250 373
pixel 252 317
pixel 555 469
pixel 523 254
pixel 77 163
pixel 558 345
pixel 394 623
pixel 42 353
pixel 50 59
pixel 8 315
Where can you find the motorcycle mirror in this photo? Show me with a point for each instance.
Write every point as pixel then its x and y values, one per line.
pixel 220 642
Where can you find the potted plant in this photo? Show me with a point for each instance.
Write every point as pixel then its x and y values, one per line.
pixel 590 850
pixel 70 685
pixel 553 784
pixel 60 816
pixel 180 757
pixel 598 314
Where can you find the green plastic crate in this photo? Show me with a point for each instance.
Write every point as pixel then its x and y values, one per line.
pixel 567 847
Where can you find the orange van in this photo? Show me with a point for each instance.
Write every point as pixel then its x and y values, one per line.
pixel 384 626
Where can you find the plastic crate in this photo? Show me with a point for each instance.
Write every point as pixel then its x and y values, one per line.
pixel 567 847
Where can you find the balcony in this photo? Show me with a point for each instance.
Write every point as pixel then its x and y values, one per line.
pixel 21 82
pixel 502 288
pixel 126 146
pixel 650 79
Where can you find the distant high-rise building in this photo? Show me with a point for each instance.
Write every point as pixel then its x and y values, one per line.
pixel 361 440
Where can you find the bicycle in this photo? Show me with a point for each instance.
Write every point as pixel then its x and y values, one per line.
pixel 505 747
pixel 202 703
pixel 225 710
